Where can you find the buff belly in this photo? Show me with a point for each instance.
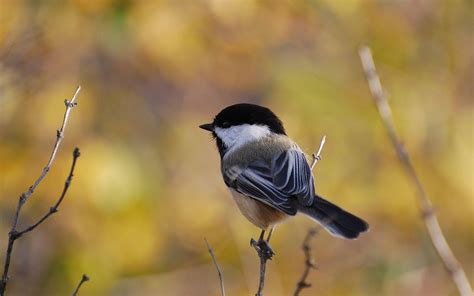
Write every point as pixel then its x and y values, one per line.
pixel 257 212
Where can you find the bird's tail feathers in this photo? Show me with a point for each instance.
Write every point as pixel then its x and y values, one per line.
pixel 334 219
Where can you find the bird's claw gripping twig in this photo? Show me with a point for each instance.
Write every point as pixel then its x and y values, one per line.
pixel 263 248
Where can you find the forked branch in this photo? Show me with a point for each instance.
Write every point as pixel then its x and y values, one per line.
pixel 54 209
pixel 14 233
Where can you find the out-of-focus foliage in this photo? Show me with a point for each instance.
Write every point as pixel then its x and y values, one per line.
pixel 148 187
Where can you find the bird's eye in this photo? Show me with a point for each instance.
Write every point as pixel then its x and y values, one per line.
pixel 226 124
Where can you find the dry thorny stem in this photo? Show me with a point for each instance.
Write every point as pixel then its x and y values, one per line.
pixel 218 268
pixel 265 257
pixel 309 262
pixel 14 233
pixel 426 208
pixel 84 279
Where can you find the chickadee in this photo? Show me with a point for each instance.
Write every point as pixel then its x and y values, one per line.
pixel 268 174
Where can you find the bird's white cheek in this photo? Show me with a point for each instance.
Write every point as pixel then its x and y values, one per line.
pixel 236 136
pixel 228 135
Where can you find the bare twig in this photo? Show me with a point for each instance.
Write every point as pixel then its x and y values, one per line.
pixel 219 272
pixel 317 155
pixel 428 214
pixel 14 234
pixel 309 262
pixel 84 279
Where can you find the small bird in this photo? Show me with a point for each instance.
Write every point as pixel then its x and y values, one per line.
pixel 268 174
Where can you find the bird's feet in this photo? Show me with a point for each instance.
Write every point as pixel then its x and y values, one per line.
pixel 263 248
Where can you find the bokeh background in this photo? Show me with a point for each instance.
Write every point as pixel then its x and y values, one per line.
pixel 148 188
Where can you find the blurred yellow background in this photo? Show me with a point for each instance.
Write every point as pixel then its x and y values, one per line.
pixel 148 189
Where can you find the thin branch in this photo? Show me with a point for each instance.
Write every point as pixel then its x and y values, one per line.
pixel 263 269
pixel 13 235
pixel 317 155
pixel 84 279
pixel 219 272
pixel 309 262
pixel 428 214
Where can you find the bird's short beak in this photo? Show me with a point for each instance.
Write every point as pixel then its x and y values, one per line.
pixel 207 127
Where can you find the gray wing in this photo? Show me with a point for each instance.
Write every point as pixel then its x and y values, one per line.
pixel 292 174
pixel 276 183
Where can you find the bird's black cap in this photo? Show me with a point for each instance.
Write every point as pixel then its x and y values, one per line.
pixel 246 114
